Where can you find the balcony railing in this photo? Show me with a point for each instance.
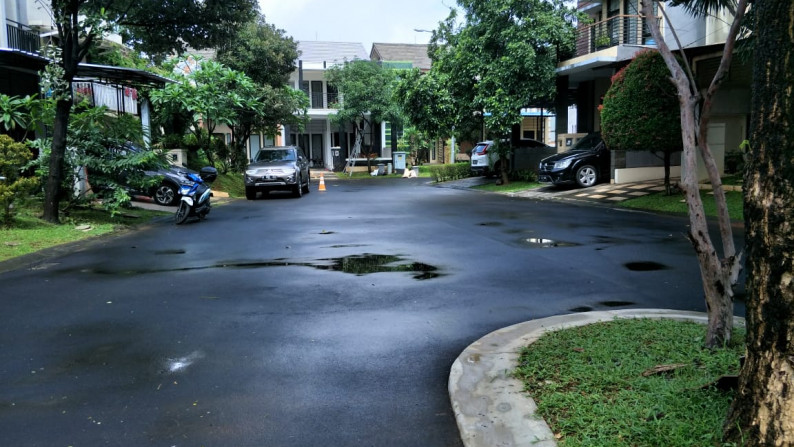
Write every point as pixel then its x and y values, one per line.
pixel 321 100
pixel 22 37
pixel 618 30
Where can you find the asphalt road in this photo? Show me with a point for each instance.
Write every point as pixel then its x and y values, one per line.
pixel 330 320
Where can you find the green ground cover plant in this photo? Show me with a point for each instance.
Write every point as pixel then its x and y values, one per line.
pixel 659 202
pixel 514 186
pixel 595 386
pixel 29 233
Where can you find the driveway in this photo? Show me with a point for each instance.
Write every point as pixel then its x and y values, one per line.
pixel 327 320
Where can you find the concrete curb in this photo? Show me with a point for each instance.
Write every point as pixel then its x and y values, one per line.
pixel 491 407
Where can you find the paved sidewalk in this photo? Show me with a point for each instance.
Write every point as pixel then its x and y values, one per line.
pixel 605 193
pixel 491 407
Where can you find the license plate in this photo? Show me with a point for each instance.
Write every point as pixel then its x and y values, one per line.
pixel 474 162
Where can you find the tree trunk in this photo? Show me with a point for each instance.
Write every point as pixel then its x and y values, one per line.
pixel 52 190
pixel 667 155
pixel 719 274
pixel 762 413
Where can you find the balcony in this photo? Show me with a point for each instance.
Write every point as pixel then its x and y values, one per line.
pixel 320 100
pixel 618 30
pixel 22 37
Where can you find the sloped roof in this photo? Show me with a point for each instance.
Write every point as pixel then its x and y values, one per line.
pixel 402 52
pixel 330 52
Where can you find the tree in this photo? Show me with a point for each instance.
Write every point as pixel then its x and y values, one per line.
pixel 719 274
pixel 425 103
pixel 502 58
pixel 155 27
pixel 259 45
pixel 366 96
pixel 761 414
pixel 270 108
pixel 641 110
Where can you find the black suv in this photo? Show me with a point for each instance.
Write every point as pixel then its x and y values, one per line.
pixel 585 164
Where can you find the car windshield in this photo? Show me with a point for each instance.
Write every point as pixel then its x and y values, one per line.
pixel 276 155
pixel 587 143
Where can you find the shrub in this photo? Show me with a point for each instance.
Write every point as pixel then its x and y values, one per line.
pixel 524 175
pixel 13 157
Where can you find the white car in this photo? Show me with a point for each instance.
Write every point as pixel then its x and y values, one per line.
pixel 483 158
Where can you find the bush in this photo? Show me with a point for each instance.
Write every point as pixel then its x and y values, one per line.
pixel 13 157
pixel 524 175
pixel 447 172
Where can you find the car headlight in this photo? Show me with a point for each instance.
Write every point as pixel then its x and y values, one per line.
pixel 562 164
pixel 252 172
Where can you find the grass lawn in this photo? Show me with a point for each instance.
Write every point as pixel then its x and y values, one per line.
pixel 659 202
pixel 31 234
pixel 513 186
pixel 589 385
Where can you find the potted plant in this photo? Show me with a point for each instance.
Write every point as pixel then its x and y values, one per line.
pixel 602 41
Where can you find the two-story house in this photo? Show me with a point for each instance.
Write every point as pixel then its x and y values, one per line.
pixel 616 34
pixel 320 133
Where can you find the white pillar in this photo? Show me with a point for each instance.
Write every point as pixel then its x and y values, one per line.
pixel 146 121
pixel 3 30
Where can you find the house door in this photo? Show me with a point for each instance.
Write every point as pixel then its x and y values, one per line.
pixel 317 155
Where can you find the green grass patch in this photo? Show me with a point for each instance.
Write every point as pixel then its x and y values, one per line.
pixel 660 202
pixel 513 186
pixel 231 183
pixel 589 385
pixel 30 234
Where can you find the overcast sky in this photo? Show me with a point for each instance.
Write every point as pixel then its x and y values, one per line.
pixel 367 21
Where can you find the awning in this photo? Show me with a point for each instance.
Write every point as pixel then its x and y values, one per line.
pixel 16 60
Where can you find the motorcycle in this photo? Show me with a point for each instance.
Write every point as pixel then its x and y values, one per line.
pixel 196 195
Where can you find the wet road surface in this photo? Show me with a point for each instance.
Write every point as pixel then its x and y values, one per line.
pixel 330 320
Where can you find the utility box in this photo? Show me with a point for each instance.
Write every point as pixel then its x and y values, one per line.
pixel 399 161
pixel 338 158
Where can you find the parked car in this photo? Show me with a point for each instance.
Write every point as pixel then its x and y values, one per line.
pixel 585 164
pixel 166 191
pixel 158 180
pixel 485 159
pixel 278 169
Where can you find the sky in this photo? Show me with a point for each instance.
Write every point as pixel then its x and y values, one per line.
pixel 367 21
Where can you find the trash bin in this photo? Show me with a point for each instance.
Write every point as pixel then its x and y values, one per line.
pixel 381 169
pixel 399 161
pixel 389 169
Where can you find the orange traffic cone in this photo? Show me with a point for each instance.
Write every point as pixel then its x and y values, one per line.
pixel 322 183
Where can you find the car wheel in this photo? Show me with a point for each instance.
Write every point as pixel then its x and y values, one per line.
pixel 182 213
pixel 297 191
pixel 307 188
pixel 586 176
pixel 165 195
pixel 250 193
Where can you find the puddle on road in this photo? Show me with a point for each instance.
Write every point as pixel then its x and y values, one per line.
pixel 536 242
pixel 581 309
pixel 358 265
pixel 645 266
pixel 490 224
pixel 604 304
pixel 616 303
pixel 170 252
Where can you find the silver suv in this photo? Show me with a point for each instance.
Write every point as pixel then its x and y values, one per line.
pixel 278 169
